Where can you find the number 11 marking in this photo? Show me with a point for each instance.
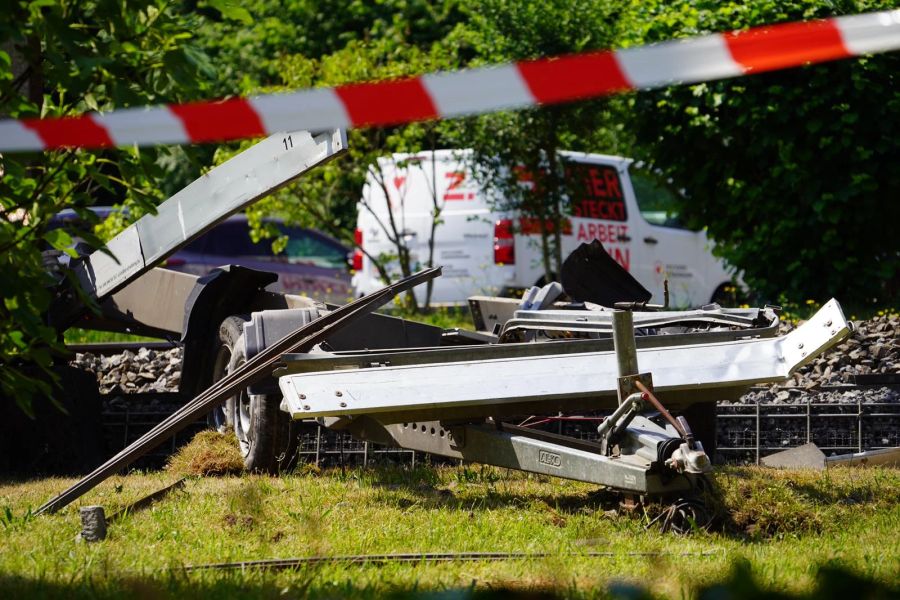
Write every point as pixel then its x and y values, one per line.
pixel 288 143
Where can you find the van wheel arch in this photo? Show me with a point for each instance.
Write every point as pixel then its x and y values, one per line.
pixel 723 297
pixel 542 281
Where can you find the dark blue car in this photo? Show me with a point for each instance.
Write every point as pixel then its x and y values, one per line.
pixel 313 264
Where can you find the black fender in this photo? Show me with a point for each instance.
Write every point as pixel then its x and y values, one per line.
pixel 224 291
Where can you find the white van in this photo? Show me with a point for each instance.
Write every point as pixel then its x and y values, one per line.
pixel 487 252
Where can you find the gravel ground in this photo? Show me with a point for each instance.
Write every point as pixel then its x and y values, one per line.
pixel 873 348
pixel 134 372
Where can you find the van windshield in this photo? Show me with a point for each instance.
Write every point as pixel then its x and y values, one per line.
pixel 656 202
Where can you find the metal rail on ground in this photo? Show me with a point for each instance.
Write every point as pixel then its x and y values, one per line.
pixel 421 557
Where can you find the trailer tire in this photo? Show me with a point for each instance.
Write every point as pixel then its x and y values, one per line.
pixel 229 332
pixel 264 433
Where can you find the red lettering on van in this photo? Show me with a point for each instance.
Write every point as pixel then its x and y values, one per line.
pixel 598 183
pixel 604 232
pixel 599 209
pixel 611 178
pixel 621 256
pixel 456 179
pixel 597 192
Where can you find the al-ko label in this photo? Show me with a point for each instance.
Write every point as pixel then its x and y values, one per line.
pixel 549 458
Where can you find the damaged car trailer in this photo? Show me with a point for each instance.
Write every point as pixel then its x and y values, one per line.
pixel 256 361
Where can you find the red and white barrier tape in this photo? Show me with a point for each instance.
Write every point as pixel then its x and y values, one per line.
pixel 470 91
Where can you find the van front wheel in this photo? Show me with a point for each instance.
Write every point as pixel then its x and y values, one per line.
pixel 726 295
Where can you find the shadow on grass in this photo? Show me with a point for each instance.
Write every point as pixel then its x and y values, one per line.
pixel 450 492
pixel 831 583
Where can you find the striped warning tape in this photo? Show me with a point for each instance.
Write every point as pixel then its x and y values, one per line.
pixel 470 91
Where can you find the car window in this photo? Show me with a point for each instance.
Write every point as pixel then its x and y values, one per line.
pixel 306 247
pixel 656 202
pixel 198 246
pixel 233 239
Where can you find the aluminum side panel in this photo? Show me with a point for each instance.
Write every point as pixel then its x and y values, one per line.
pixel 476 383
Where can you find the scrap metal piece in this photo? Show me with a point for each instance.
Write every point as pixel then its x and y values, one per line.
pixel 600 321
pixel 590 274
pixel 277 564
pixel 624 345
pixel 557 378
pixel 148 500
pixel 807 456
pixel 255 369
pixel 888 457
pixel 358 359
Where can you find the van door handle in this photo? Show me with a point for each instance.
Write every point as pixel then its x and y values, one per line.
pixel 625 238
pixel 651 240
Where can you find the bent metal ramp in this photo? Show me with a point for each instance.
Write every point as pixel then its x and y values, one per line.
pixel 450 389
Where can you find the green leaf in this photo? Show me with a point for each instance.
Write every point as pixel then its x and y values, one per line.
pixel 60 240
pixel 230 9
pixel 18 338
pixel 91 102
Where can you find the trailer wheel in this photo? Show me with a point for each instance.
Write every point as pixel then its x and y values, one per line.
pixel 262 430
pixel 229 332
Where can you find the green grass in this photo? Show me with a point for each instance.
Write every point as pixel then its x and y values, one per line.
pixel 75 335
pixel 444 317
pixel 785 526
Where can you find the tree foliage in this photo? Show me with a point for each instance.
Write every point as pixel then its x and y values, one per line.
pixel 510 146
pixel 793 173
pixel 327 199
pixel 59 58
pixel 251 55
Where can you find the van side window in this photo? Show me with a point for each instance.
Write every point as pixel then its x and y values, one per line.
pixel 305 247
pixel 656 202
pixel 596 192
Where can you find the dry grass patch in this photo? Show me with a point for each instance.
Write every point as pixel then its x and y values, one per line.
pixel 209 453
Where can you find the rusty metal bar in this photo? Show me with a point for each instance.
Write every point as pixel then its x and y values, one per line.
pixel 662 409
pixel 420 557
